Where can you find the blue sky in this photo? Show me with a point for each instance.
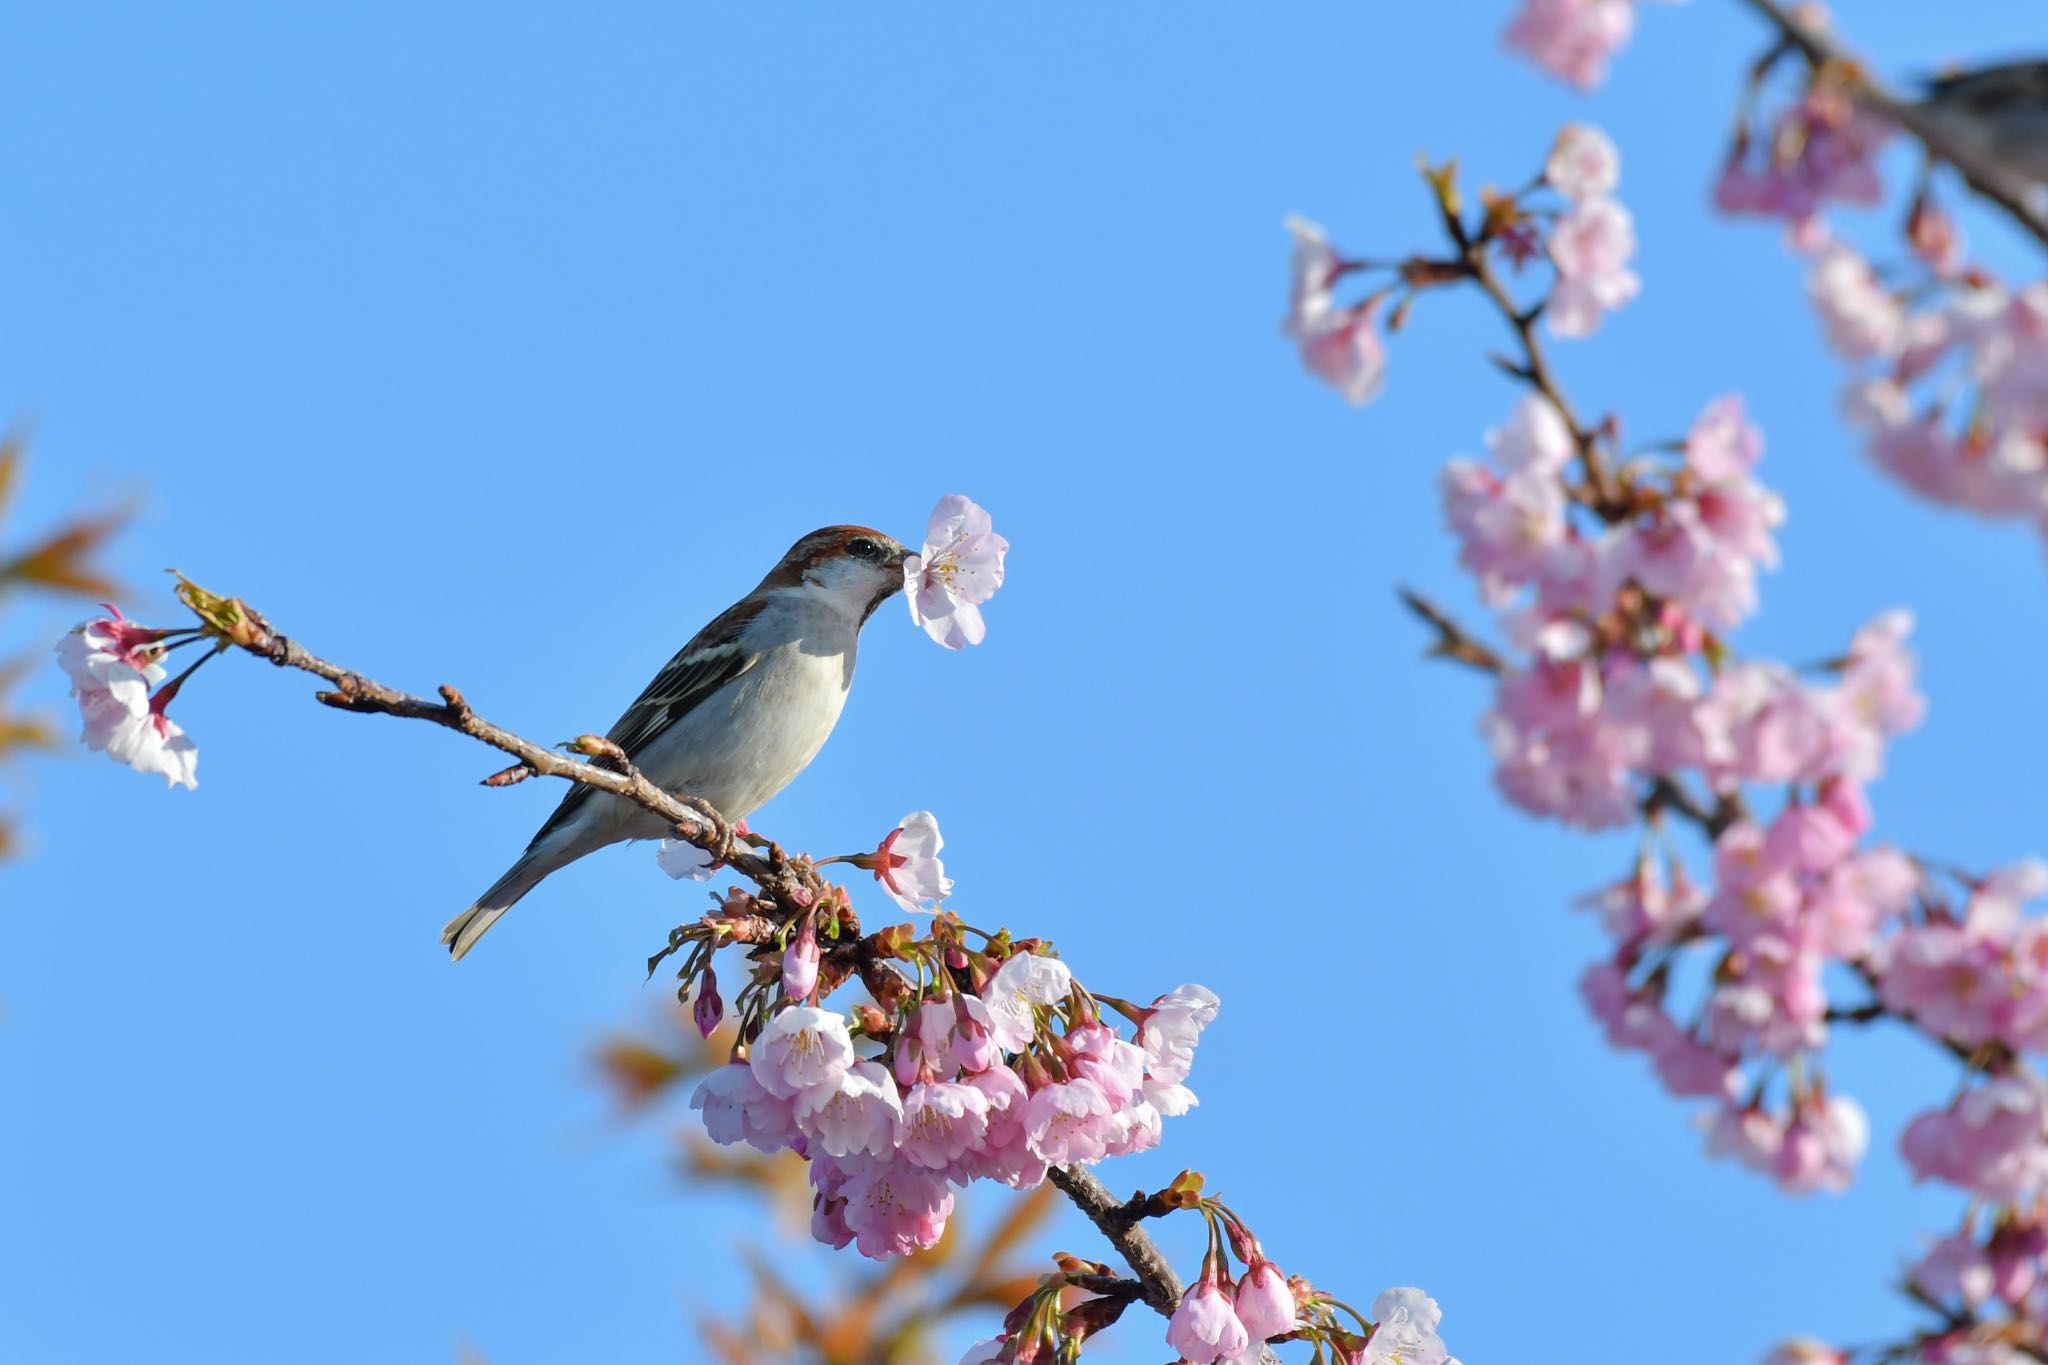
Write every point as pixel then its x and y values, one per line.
pixel 492 346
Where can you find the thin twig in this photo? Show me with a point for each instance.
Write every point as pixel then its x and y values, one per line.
pixel 1452 641
pixel 1980 173
pixel 1536 372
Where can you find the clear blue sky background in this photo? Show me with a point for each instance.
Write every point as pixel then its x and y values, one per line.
pixel 491 346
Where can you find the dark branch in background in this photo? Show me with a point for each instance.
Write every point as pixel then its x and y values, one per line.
pixel 1980 173
pixel 793 885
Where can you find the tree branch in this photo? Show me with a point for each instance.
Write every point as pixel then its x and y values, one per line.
pixel 1452 642
pixel 1140 1252
pixel 793 885
pixel 1113 1219
pixel 1981 174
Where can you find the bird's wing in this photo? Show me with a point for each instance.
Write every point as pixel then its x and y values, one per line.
pixel 713 658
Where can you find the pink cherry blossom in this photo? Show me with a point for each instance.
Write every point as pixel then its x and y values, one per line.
pixel 1591 246
pixel 801 1049
pixel 948 1036
pixel 1014 994
pixel 859 1115
pixel 154 744
pixel 1138 1125
pixel 1749 1134
pixel 1097 1054
pixel 1173 1025
pixel 894 1209
pixel 1862 319
pixel 1263 1302
pixel 960 567
pixel 1572 39
pixel 1819 148
pixel 1822 1146
pixel 1955 1267
pixel 1583 163
pixel 942 1122
pixel 1510 527
pixel 1534 441
pixel 1944 977
pixel 1315 268
pixel 1204 1328
pixel 1338 345
pixel 736 1108
pixel 1723 445
pixel 1068 1121
pixel 1341 347
pixel 112 669
pixel 1993 1140
pixel 1006 1154
pixel 907 864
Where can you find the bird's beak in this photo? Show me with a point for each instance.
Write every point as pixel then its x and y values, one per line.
pixel 895 560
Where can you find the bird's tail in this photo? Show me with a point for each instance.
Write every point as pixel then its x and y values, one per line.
pixel 466 928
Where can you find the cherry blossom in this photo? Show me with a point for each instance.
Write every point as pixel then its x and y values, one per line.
pixel 1021 986
pixel 1338 344
pixel 738 1108
pixel 1068 1121
pixel 1263 1302
pixel 907 863
pixel 1583 163
pixel 112 667
pixel 942 1122
pixel 861 1114
pixel 1405 1322
pixel 684 860
pixel 1204 1327
pixel 1572 39
pixel 1591 246
pixel 893 1209
pixel 802 1049
pixel 959 568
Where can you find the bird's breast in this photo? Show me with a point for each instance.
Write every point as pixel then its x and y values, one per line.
pixel 746 742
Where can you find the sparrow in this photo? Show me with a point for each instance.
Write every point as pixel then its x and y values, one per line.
pixel 733 717
pixel 1999 112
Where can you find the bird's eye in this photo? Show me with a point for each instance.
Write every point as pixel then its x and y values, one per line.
pixel 863 548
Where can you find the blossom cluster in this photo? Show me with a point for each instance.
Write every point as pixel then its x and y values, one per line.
pixel 1629 685
pixel 987 1062
pixel 1951 377
pixel 1222 1318
pixel 1816 149
pixel 1572 39
pixel 1589 239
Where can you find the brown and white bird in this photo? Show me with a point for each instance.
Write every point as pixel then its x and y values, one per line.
pixel 733 717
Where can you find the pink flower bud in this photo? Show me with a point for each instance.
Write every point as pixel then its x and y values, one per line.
pixel 1265 1305
pixel 800 962
pixel 707 1010
pixel 1204 1329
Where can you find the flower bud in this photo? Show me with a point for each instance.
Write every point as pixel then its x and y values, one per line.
pixel 708 1009
pixel 800 961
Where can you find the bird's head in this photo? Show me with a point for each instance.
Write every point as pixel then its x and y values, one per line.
pixel 855 567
